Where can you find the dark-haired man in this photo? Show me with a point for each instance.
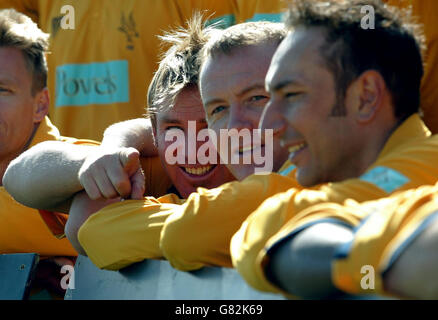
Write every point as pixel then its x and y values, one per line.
pixel 345 101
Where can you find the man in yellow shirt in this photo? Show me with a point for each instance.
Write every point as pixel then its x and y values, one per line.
pixel 383 162
pixel 24 101
pixel 369 118
pixel 236 102
pixel 174 103
pixel 24 104
pixel 380 164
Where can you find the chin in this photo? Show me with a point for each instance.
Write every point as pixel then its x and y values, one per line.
pixel 185 191
pixel 242 171
pixel 305 179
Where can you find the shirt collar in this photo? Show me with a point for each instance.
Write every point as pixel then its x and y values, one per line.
pixel 46 131
pixel 410 129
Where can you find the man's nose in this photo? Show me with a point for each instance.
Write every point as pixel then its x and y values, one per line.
pixel 239 119
pixel 273 118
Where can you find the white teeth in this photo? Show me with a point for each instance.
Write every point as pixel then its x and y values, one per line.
pixel 244 149
pixel 198 171
pixel 296 148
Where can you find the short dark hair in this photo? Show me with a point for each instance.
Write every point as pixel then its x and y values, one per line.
pixel 19 31
pixel 393 48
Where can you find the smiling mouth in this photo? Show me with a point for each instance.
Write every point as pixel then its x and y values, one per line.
pixel 297 147
pixel 199 171
pixel 249 148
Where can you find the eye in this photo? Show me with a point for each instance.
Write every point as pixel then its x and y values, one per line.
pixel 258 98
pixel 291 94
pixel 173 127
pixel 217 110
pixel 258 101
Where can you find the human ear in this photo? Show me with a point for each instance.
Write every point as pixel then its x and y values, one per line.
pixel 370 87
pixel 41 105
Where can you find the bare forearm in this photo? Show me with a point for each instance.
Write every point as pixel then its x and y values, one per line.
pixel 46 176
pixel 135 133
pixel 414 274
pixel 81 209
pixel 302 265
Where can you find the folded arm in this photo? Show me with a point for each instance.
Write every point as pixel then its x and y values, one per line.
pixel 414 273
pixel 82 208
pixel 135 133
pixel 46 176
pixel 301 265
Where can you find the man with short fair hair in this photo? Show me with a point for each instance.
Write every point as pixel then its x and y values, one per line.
pixel 233 91
pixel 174 102
pixel 24 102
pixel 234 97
pixel 242 106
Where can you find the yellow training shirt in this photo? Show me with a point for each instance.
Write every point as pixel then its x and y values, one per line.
pixel 408 160
pixel 256 10
pixel 382 230
pixel 387 227
pixel 197 233
pixel 126 232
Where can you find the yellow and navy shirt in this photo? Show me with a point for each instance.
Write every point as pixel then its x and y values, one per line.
pixel 408 160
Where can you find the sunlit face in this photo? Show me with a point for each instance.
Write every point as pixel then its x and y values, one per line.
pixel 234 96
pixel 323 146
pixel 19 110
pixel 187 177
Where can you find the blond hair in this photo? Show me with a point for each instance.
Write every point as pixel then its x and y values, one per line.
pixel 179 66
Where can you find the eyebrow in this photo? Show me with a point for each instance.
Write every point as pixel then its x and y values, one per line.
pixel 213 101
pixel 253 87
pixel 283 84
pixel 177 121
pixel 7 81
pixel 241 93
pixel 170 120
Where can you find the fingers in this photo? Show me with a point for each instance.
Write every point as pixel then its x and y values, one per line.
pixel 130 160
pixel 114 173
pixel 120 182
pixel 97 184
pixel 106 186
pixel 90 187
pixel 138 185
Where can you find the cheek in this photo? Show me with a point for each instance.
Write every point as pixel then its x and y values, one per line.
pixel 239 171
pixel 254 116
pixel 3 127
pixel 214 135
pixel 219 122
pixel 16 124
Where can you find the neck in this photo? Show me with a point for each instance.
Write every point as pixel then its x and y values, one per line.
pixel 374 148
